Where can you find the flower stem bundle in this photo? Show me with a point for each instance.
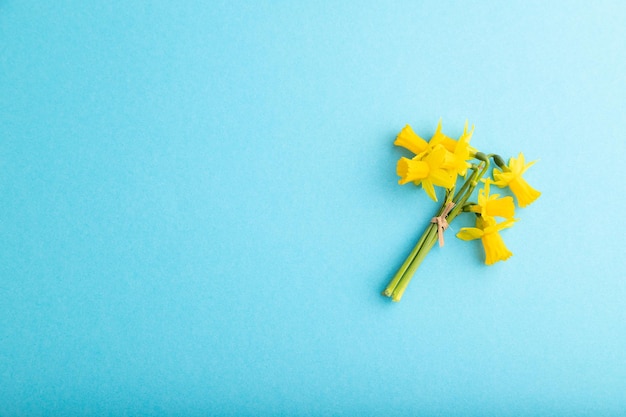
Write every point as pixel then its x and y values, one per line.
pixel 440 162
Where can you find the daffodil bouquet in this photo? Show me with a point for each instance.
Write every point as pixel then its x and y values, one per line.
pixel 458 168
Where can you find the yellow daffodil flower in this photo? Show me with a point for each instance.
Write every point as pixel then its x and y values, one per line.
pixel 492 206
pixel 408 139
pixel 437 162
pixel 459 151
pixel 426 169
pixel 511 176
pixel 487 230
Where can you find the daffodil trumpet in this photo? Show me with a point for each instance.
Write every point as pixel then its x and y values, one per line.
pixel 439 162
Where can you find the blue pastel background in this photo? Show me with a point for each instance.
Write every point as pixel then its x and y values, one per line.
pixel 199 209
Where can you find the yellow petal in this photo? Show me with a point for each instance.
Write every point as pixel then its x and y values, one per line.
pixel 439 138
pixel 487 187
pixel 408 139
pixel 469 233
pixel 504 225
pixel 518 165
pixel 442 178
pixel 485 223
pixel 427 185
pixel 455 162
pixel 436 157
pixel 502 179
pixel 466 136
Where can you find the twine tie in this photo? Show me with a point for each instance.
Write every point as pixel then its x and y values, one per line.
pixel 442 223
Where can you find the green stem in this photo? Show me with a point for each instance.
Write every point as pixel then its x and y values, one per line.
pixel 398 277
pixel 401 279
pixel 429 242
pixel 394 281
pixel 466 183
pixel 405 273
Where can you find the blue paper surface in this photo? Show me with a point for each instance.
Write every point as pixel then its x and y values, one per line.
pixel 199 209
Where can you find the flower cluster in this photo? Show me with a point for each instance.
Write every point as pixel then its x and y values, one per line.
pixel 441 162
pixel 437 162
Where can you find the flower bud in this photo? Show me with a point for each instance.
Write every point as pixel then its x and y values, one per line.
pixel 499 161
pixel 481 156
